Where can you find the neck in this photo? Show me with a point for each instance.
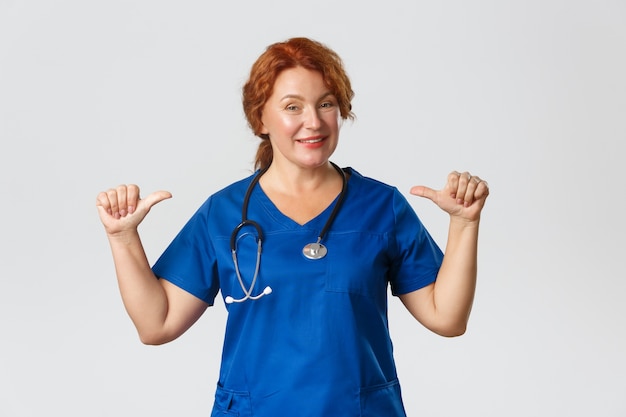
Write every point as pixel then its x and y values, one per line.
pixel 294 181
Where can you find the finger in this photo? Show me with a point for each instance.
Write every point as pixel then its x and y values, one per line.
pixel 422 191
pixel 482 189
pixel 453 183
pixel 470 193
pixel 103 203
pixel 132 197
pixel 112 196
pixel 462 183
pixel 156 197
pixel 122 201
pixel 476 189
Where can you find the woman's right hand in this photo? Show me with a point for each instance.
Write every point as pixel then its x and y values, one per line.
pixel 121 209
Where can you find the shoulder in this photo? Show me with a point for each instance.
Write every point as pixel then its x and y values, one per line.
pixel 375 200
pixel 368 182
pixel 382 197
pixel 371 188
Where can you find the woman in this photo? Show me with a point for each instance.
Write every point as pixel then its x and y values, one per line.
pixel 305 271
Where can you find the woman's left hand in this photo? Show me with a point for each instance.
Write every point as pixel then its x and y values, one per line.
pixel 463 196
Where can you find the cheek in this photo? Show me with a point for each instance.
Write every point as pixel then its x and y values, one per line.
pixel 333 121
pixel 283 126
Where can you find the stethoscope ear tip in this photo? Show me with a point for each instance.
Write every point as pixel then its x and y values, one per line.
pixel 229 300
pixel 267 290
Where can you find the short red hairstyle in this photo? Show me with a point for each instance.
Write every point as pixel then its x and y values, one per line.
pixel 295 52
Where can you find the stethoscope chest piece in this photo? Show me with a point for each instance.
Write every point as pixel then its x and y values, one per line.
pixel 314 251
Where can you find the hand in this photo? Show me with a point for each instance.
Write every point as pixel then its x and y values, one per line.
pixel 121 209
pixel 463 196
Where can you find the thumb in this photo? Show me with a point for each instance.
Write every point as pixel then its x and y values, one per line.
pixel 154 198
pixel 423 191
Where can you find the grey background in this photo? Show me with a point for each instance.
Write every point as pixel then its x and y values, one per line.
pixel 530 95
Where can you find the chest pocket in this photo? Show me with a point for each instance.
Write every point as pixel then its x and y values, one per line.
pixel 358 264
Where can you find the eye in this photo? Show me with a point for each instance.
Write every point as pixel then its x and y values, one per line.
pixel 328 105
pixel 329 102
pixel 292 108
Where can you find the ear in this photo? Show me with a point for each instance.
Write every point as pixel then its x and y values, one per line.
pixel 263 130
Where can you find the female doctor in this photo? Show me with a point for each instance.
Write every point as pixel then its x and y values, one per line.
pixel 303 253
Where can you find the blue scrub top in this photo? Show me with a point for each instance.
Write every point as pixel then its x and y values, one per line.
pixel 319 344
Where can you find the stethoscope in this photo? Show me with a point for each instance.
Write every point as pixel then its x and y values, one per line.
pixel 313 251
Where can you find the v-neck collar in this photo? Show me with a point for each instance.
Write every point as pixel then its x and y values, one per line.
pixel 272 210
pixel 278 216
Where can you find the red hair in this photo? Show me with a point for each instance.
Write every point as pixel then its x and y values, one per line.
pixel 295 52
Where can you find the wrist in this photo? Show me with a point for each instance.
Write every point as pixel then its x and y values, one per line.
pixel 460 223
pixel 123 237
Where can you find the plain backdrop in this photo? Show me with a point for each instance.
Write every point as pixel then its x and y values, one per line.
pixel 530 95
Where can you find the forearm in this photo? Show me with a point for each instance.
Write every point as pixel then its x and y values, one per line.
pixel 445 305
pixel 144 297
pixel 454 290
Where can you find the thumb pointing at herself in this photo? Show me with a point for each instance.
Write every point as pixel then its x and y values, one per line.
pixel 463 195
pixel 441 198
pixel 122 209
pixel 154 198
pixel 423 191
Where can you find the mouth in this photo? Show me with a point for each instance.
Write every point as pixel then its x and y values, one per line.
pixel 316 139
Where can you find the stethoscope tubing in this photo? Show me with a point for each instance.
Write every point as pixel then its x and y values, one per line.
pixel 247 222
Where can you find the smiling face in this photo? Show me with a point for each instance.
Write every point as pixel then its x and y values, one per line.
pixel 301 118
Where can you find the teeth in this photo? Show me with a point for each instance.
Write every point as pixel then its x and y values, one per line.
pixel 310 141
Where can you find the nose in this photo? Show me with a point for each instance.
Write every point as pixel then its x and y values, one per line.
pixel 313 120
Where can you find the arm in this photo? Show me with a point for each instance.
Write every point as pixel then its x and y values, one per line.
pixel 444 306
pixel 159 310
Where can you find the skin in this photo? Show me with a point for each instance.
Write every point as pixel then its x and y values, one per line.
pixel 444 306
pixel 302 120
pixel 159 310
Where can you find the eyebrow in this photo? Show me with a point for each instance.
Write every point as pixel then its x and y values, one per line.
pixel 299 97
